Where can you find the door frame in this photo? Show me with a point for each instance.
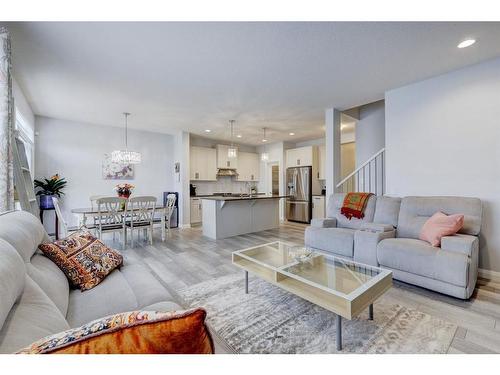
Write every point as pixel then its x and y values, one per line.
pixel 268 183
pixel 269 175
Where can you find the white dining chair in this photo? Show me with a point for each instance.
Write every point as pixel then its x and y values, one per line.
pixel 141 211
pixel 64 229
pixel 111 216
pixel 93 205
pixel 169 210
pixel 93 200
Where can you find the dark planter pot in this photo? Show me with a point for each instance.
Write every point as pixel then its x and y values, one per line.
pixel 46 202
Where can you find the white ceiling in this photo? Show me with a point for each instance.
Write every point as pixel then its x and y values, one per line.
pixel 196 76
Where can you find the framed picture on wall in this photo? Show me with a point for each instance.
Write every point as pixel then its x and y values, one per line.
pixel 116 171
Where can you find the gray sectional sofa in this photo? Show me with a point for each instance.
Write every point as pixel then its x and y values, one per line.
pixel 35 297
pixel 388 237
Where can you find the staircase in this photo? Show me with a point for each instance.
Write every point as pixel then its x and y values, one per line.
pixel 369 177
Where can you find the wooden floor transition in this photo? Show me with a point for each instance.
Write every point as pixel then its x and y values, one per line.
pixel 188 258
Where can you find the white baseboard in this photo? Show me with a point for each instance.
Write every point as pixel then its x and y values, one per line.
pixel 185 226
pixel 490 275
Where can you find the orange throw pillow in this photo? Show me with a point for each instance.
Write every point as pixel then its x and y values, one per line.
pixel 136 332
pixel 84 259
pixel 440 225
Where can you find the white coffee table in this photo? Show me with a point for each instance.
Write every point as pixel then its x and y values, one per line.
pixel 342 286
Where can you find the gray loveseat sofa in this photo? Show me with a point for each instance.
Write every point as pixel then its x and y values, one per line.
pixel 35 297
pixel 388 237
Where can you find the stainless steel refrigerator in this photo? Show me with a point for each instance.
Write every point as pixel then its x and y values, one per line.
pixel 299 191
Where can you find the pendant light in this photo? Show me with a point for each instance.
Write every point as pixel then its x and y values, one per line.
pixel 232 151
pixel 264 156
pixel 125 156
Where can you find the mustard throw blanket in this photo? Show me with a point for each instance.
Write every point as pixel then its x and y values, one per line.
pixel 354 205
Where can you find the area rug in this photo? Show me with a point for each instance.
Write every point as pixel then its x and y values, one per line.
pixel 270 320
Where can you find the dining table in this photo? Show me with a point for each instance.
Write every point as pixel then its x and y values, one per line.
pixel 83 213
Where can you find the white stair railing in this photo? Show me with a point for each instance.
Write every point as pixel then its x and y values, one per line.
pixel 369 177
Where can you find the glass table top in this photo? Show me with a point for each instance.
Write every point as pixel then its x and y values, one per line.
pixel 275 254
pixel 318 269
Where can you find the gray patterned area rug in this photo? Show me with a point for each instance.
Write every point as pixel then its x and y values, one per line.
pixel 270 320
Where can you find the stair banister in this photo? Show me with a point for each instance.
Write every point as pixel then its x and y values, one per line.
pixel 347 184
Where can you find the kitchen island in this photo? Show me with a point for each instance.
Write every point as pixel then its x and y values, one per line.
pixel 234 215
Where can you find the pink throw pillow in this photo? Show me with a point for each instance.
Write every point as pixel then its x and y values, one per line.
pixel 440 225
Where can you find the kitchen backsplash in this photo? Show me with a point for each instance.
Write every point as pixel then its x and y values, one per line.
pixel 222 185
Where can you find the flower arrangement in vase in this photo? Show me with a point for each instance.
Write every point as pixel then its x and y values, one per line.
pixel 124 190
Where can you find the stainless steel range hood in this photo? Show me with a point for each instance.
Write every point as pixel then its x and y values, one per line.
pixel 224 172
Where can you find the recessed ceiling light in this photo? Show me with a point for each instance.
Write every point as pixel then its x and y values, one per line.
pixel 291 133
pixel 239 136
pixel 466 43
pixel 207 130
pixel 264 140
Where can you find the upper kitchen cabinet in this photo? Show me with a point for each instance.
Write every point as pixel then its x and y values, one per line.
pixel 223 161
pixel 322 162
pixel 203 164
pixel 301 157
pixel 248 166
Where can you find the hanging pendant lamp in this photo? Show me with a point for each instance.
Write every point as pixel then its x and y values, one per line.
pixel 232 151
pixel 125 156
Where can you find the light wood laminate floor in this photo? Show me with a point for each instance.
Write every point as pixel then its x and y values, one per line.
pixel 188 258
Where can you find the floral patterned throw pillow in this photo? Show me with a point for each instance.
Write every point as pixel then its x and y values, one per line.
pixel 135 332
pixel 84 259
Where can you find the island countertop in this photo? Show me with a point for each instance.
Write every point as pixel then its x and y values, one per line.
pixel 224 217
pixel 244 197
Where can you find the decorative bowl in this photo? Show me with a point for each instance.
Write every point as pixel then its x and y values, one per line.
pixel 302 254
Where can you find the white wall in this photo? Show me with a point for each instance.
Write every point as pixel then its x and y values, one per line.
pixel 345 137
pixel 22 105
pixel 181 179
pixel 332 149
pixel 75 151
pixel 442 138
pixel 370 131
pixel 311 142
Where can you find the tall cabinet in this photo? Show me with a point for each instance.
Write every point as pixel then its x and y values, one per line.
pixel 203 164
pixel 195 210
pixel 223 161
pixel 318 207
pixel 248 166
pixel 301 157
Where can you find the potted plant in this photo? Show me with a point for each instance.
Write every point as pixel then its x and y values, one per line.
pixel 49 188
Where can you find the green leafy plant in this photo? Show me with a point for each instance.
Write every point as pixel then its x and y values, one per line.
pixel 53 186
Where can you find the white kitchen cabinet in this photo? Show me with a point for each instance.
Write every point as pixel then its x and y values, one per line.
pixel 203 164
pixel 196 213
pixel 301 157
pixel 322 162
pixel 223 161
pixel 248 166
pixel 318 208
